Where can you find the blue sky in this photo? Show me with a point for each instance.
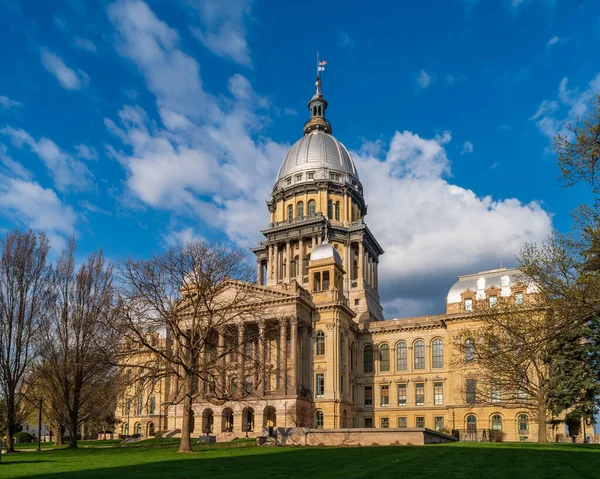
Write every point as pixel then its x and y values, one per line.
pixel 136 125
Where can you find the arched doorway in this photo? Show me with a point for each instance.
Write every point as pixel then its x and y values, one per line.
pixel 150 429
pixel 248 418
pixel 471 428
pixel 227 420
pixel 270 419
pixel 207 421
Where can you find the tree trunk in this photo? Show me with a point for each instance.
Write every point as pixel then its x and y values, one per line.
pixel 59 434
pixel 186 445
pixel 11 425
pixel 541 420
pixel 73 431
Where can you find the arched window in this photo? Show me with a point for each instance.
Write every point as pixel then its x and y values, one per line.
pixel 437 353
pixel 368 359
pixel 300 209
pixel 290 212
pixel 419 354
pixel 312 207
pixel 471 424
pixel 401 363
pixel 384 358
pixel 469 350
pixel 337 210
pixel 523 424
pixel 320 343
pixel 319 419
pixel 497 422
pixel 314 111
pixel 330 209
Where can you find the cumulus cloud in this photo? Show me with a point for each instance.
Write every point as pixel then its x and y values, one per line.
pixel 433 230
pixel 67 77
pixel 570 105
pixel 467 147
pixel 67 172
pixel 7 103
pixel 222 28
pixel 38 208
pixel 423 79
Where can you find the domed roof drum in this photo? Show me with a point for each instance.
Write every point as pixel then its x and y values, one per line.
pixel 320 153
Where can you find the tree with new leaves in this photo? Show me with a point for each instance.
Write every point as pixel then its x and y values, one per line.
pixel 24 283
pixel 178 314
pixel 78 343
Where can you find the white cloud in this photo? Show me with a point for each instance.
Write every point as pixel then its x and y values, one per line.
pixel 423 79
pixel 222 28
pixel 84 44
pixel 570 105
pixel 67 77
pixel 68 173
pixel 86 152
pixel 182 236
pixel 467 147
pixel 13 166
pixel 38 208
pixel 433 230
pixel 343 39
pixel 7 103
pixel 553 41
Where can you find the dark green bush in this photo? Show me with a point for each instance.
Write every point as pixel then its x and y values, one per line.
pixel 21 437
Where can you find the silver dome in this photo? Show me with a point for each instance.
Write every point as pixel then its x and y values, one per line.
pixel 320 153
pixel 325 251
pixel 500 278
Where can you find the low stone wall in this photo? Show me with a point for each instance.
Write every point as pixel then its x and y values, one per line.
pixel 299 436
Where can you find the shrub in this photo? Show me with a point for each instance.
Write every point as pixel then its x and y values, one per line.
pixel 374 444
pixel 23 437
pixel 495 436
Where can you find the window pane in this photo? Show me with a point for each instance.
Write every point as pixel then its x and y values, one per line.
pixel 471 388
pixel 401 394
pixel 401 357
pixel 439 423
pixel 420 394
pixel 438 393
pixel 385 422
pixel 320 343
pixel 320 385
pixel 385 396
pixel 468 304
pixel 438 353
pixel 402 422
pixel 384 352
pixel 420 421
pixel 368 396
pixel 368 359
pixel 419 355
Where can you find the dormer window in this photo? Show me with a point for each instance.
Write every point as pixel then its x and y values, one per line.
pixel 505 281
pixel 288 181
pixel 519 298
pixel 310 175
pixel 299 177
pixel 493 301
pixel 469 304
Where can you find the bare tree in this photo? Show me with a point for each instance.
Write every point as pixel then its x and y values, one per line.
pixel 504 356
pixel 179 311
pixel 24 281
pixel 78 341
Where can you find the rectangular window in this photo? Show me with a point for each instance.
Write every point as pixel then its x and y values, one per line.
pixel 288 181
pixel 420 394
pixel 401 394
pixel 342 383
pixel 439 423
pixel 152 405
pixel 368 396
pixel 493 300
pixel 438 393
pixel 320 385
pixel 469 304
pixel 471 391
pixel 368 422
pixel 299 177
pixel 385 396
pixel 127 406
pixel 420 421
pixel 519 298
pixel 495 391
pixel 140 404
pixel 385 422
pixel 402 421
pixel 310 175
pixel 521 395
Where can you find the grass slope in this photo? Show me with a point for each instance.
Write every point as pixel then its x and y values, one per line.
pixel 459 460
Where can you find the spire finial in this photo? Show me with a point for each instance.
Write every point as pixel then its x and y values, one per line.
pixel 317 105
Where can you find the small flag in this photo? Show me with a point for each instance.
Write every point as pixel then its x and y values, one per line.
pixel 322 63
pixel 321 69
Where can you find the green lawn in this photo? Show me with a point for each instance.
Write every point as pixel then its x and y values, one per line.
pixel 457 460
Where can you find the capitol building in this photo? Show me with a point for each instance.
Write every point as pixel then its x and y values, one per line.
pixel 331 358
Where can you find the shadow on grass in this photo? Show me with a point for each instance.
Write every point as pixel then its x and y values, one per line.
pixel 448 461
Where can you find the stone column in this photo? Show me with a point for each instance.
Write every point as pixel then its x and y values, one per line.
pixel 360 262
pixel 301 259
pixel 270 263
pixel 261 365
pixel 222 357
pixel 276 254
pixel 288 263
pixel 292 387
pixel 283 355
pixel 242 356
pixel 258 272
